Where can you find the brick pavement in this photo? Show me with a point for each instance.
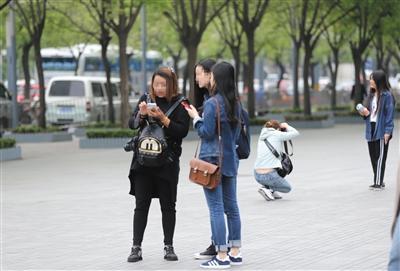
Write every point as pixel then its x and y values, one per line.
pixel 68 209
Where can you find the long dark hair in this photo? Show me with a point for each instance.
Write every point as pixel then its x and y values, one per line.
pixel 382 84
pixel 224 78
pixel 199 92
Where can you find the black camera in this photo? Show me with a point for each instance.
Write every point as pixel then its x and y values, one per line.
pixel 130 145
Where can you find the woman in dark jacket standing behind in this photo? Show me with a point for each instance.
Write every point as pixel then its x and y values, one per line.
pixel 158 182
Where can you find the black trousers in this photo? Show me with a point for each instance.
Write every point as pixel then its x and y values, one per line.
pixel 378 152
pixel 146 186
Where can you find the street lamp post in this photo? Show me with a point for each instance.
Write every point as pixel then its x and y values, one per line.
pixel 143 36
pixel 11 62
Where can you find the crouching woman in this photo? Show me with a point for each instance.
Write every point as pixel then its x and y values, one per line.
pixel 266 164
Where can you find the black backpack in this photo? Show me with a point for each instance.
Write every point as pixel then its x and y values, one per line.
pixel 152 148
pixel 243 142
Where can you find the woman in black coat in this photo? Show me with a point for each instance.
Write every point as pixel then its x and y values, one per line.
pixel 162 181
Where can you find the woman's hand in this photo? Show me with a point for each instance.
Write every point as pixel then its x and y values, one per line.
pixel 156 112
pixel 192 111
pixel 143 108
pixel 364 112
pixel 386 138
pixel 284 125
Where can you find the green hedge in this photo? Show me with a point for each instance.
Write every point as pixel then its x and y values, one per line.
pixel 25 129
pixel 346 113
pixel 257 121
pixel 7 143
pixel 306 118
pixel 102 125
pixel 336 108
pixel 110 133
pixel 285 110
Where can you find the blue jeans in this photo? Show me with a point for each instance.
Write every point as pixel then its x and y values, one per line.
pixel 222 200
pixel 273 181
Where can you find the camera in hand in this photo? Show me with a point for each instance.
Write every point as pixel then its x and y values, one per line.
pixel 130 145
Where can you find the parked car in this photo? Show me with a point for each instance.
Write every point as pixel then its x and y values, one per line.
pixel 5 107
pixel 33 92
pixel 80 99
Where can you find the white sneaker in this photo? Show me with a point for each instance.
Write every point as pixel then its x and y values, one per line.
pixel 266 193
pixel 276 195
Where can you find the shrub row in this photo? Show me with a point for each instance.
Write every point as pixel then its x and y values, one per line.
pixel 107 133
pixel 7 143
pixel 24 129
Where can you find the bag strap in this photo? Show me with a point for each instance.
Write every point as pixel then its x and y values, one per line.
pixel 174 106
pixel 272 149
pixel 218 113
pixel 286 147
pixel 275 152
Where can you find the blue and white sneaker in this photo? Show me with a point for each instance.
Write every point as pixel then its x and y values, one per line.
pixel 235 260
pixel 216 263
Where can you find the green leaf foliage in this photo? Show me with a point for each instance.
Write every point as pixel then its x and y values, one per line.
pixel 25 129
pixel 110 133
pixel 6 143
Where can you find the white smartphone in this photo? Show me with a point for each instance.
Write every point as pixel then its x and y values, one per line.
pixel 151 105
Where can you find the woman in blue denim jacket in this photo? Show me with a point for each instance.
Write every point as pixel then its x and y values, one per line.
pixel 379 124
pixel 223 197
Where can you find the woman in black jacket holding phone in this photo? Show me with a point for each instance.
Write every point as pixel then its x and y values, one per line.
pixel 162 181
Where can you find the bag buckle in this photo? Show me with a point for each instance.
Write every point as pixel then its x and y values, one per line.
pixel 195 170
pixel 205 173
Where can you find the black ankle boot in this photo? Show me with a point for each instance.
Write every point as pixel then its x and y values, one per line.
pixel 169 253
pixel 136 254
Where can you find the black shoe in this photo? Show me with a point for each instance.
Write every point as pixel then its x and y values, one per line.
pixel 383 185
pixel 207 254
pixel 136 254
pixel 169 253
pixel 375 187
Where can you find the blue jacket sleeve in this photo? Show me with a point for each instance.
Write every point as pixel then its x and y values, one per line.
pixel 206 127
pixel 389 113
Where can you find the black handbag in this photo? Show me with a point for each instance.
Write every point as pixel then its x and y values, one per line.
pixel 243 143
pixel 286 163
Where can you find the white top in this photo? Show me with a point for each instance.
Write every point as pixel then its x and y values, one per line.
pixel 374 107
pixel 265 158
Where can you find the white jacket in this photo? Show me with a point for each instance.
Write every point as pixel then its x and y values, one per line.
pixel 265 158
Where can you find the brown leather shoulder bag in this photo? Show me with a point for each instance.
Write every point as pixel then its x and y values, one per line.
pixel 204 173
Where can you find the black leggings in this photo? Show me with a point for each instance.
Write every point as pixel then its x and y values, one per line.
pixel 145 186
pixel 378 152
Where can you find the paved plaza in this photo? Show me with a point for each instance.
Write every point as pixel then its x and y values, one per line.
pixel 65 208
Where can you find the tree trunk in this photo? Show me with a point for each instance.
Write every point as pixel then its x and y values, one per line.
pixel 249 79
pixel 334 77
pixel 236 57
pixel 111 113
pixel 39 68
pixel 25 67
pixel 306 69
pixel 282 70
pixel 357 59
pixel 387 62
pixel 313 79
pixel 124 83
pixel 192 56
pixel 296 58
pixel 185 79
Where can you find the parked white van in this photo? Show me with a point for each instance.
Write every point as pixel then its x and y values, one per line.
pixel 80 99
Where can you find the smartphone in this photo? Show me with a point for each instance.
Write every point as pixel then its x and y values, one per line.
pixel 151 105
pixel 185 104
